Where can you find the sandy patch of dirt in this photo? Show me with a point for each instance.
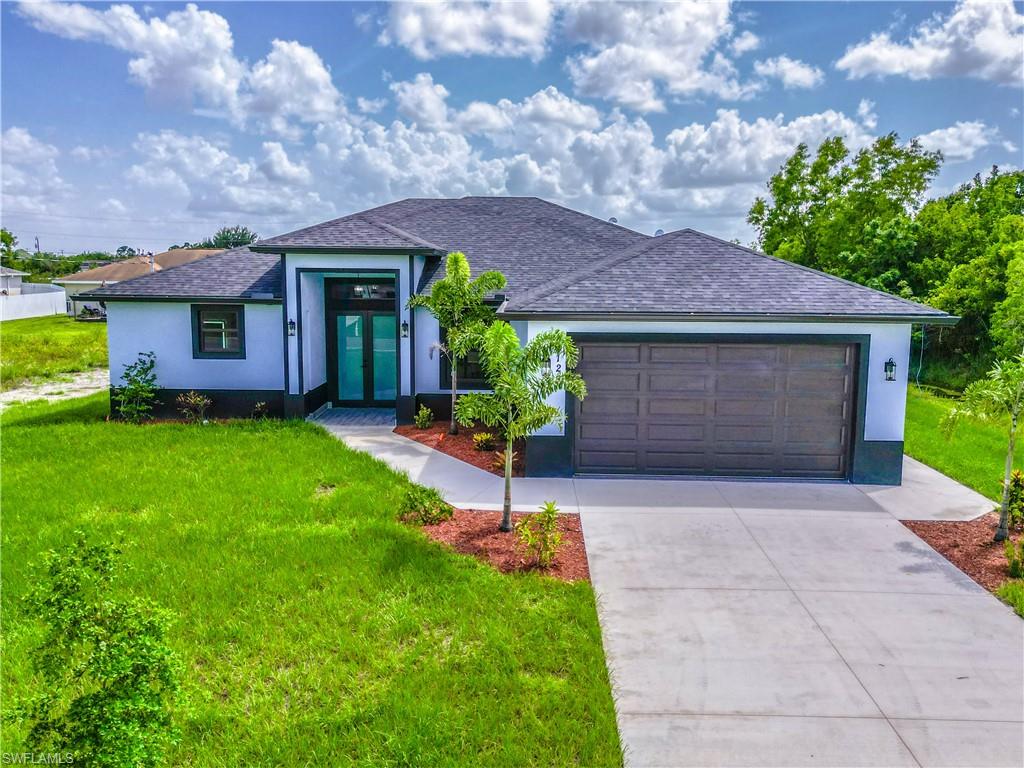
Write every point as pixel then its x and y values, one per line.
pixel 64 388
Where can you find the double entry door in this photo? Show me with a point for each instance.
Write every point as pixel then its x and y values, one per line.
pixel 362 341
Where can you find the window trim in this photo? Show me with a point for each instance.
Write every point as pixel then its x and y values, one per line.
pixel 199 354
pixel 445 372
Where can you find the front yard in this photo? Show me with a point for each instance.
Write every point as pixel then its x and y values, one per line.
pixel 46 347
pixel 314 628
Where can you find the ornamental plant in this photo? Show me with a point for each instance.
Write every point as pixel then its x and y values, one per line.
pixel 458 304
pixel 521 380
pixel 136 398
pixel 1000 399
pixel 539 535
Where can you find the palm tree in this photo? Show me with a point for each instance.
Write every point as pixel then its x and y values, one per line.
pixel 996 398
pixel 458 304
pixel 521 379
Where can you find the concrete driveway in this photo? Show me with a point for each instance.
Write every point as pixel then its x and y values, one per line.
pixel 790 624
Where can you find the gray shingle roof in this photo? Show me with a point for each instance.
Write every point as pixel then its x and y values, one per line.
pixel 238 273
pixel 690 273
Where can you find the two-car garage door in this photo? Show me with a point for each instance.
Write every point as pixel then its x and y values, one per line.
pixel 772 410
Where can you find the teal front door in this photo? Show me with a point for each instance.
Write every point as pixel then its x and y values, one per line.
pixel 364 367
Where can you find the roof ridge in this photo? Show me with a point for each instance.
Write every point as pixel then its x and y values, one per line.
pixel 398 232
pixel 579 213
pixel 812 270
pixel 594 267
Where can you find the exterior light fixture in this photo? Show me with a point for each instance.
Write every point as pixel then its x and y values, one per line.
pixel 890 370
pixel 405 329
pixel 291 327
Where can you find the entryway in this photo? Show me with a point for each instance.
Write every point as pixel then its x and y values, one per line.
pixel 362 340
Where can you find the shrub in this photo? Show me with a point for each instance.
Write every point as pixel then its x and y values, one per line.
pixel 1012 592
pixel 260 411
pixel 136 398
pixel 1015 559
pixel 424 506
pixel 484 441
pixel 1015 499
pixel 109 679
pixel 538 534
pixel 499 460
pixel 424 418
pixel 193 405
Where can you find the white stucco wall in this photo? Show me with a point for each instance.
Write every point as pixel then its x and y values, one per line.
pixel 428 372
pixel 367 263
pixel 165 328
pixel 314 331
pixel 72 289
pixel 886 400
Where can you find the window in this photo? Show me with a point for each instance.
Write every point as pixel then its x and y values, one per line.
pixel 218 331
pixel 471 375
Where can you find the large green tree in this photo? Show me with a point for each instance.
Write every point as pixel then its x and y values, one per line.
pixel 457 301
pixel 521 379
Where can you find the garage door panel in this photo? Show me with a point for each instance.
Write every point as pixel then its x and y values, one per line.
pixel 716 409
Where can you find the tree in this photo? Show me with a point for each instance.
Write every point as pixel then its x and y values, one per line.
pixel 125 252
pixel 1008 319
pixel 521 379
pixel 458 304
pixel 996 398
pixel 232 237
pixel 7 243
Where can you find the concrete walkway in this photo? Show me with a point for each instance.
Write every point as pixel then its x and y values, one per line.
pixel 778 623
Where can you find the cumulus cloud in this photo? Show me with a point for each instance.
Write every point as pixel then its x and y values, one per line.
pixel 792 73
pixel 370 106
pixel 422 100
pixel 31 181
pixel 961 141
pixel 983 39
pixel 497 28
pixel 744 42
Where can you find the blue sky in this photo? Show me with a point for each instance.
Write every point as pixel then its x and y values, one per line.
pixel 148 124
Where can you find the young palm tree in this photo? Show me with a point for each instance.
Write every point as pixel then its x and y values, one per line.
pixel 997 398
pixel 521 379
pixel 458 304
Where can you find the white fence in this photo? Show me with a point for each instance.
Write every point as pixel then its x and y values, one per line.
pixel 35 300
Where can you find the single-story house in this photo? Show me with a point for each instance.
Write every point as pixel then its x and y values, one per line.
pixel 700 356
pixel 10 281
pixel 126 269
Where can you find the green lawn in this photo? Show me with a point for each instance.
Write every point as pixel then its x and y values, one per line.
pixel 974 456
pixel 45 347
pixel 315 629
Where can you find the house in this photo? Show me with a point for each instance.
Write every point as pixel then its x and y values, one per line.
pixel 126 269
pixel 700 356
pixel 20 300
pixel 10 281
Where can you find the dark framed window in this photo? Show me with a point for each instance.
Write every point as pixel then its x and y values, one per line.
pixel 218 331
pixel 470 374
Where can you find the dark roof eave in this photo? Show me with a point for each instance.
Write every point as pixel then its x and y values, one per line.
pixel 525 314
pixel 414 250
pixel 182 299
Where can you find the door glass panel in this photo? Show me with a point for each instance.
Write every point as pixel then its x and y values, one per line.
pixel 350 357
pixel 385 357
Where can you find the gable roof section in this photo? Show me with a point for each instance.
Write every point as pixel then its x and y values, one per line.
pixel 235 274
pixel 359 231
pixel 137 266
pixel 10 271
pixel 689 274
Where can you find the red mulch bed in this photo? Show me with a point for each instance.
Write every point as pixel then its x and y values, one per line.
pixel 476 533
pixel 969 546
pixel 460 446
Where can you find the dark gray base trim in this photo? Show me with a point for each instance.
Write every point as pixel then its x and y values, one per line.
pixel 877 462
pixel 227 403
pixel 294 407
pixel 405 409
pixel 549 456
pixel 440 404
pixel 315 398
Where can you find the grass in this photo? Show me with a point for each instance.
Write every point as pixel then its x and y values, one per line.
pixel 46 347
pixel 1012 592
pixel 974 456
pixel 314 628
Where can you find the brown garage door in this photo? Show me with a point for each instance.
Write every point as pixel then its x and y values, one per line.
pixel 715 409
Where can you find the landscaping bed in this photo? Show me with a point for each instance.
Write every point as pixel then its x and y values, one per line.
pixel 461 446
pixel 474 532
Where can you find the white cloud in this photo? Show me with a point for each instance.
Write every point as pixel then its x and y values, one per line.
pixel 370 106
pixel 983 39
pixel 276 165
pixel 86 154
pixel 422 100
pixel 291 82
pixel 961 141
pixel 508 29
pixel 866 113
pixel 641 52
pixel 744 42
pixel 31 181
pixel 792 73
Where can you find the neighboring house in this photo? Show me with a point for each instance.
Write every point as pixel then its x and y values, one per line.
pixel 126 269
pixel 700 356
pixel 19 300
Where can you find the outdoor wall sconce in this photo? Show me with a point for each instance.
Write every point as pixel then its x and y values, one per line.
pixel 890 370
pixel 291 327
pixel 405 329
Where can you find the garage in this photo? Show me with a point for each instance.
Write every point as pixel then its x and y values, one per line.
pixel 715 409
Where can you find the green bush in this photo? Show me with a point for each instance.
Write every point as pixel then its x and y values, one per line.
pixel 136 398
pixel 1015 559
pixel 192 405
pixel 424 506
pixel 260 411
pixel 109 679
pixel 424 417
pixel 1016 499
pixel 484 441
pixel 538 534
pixel 1012 592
